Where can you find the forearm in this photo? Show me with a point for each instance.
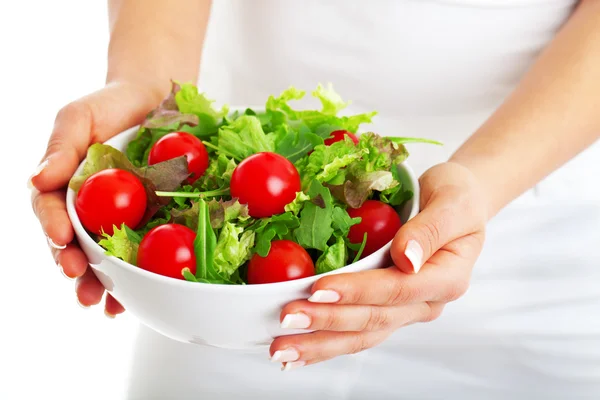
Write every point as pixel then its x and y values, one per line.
pixel 553 115
pixel 153 41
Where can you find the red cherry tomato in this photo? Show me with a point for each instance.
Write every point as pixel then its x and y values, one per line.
pixel 379 220
pixel 111 197
pixel 179 144
pixel 167 249
pixel 338 136
pixel 266 182
pixel 286 261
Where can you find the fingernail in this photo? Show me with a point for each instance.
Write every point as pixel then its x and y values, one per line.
pixel 414 253
pixel 62 271
pixel 54 245
pixel 324 296
pixel 81 305
pixel 109 315
pixel 295 321
pixel 286 355
pixel 291 365
pixel 37 171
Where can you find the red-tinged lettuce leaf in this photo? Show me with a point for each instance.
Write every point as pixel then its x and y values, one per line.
pixel 169 118
pixel 355 191
pixel 165 176
pixel 220 211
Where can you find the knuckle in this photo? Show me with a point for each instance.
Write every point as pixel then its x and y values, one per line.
pixel 331 321
pixel 457 290
pixel 376 320
pixel 74 110
pixel 400 294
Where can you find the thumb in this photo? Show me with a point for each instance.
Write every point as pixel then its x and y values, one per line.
pixel 93 118
pixel 444 219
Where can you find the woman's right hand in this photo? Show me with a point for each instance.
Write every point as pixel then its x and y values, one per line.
pixel 91 119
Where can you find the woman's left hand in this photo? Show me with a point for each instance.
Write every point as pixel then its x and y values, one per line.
pixel 352 312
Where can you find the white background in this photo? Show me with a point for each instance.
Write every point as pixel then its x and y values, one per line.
pixel 52 52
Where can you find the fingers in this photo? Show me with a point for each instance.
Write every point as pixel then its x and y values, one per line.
pixel 51 211
pixel 72 260
pixel 89 289
pixel 112 306
pixel 445 277
pixel 94 118
pixel 351 318
pixel 448 213
pixel 299 350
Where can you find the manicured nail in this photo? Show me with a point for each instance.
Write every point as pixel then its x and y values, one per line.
pixel 324 296
pixel 37 171
pixel 286 355
pixel 54 245
pixel 81 305
pixel 295 321
pixel 291 365
pixel 109 315
pixel 414 253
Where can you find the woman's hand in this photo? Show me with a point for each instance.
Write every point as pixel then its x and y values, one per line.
pixel 94 118
pixel 354 312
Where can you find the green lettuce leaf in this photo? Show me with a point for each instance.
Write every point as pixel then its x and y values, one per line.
pixel 190 101
pixel 232 250
pixel 220 212
pixel 296 205
pixel 242 138
pixel 218 174
pixel 334 257
pixel 316 218
pixel 123 244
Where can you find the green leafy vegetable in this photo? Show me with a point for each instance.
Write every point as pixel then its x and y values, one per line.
pixel 278 226
pixel 334 257
pixel 296 205
pixel 316 218
pixel 232 250
pixel 122 244
pixel 342 222
pixel 243 137
pixel 204 245
pixel 220 211
pixel 190 101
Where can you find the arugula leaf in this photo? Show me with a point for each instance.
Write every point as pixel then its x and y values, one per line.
pixel 232 250
pixel 334 257
pixel 360 249
pixel 294 144
pixel 204 244
pixel 123 244
pixel 342 222
pixel 315 219
pixel 164 176
pixel 278 226
pixel 189 101
pixel 243 137
pixel 187 274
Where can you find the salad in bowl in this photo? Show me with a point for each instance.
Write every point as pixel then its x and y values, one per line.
pixel 203 222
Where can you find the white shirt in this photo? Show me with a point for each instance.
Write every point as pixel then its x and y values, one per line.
pixel 435 69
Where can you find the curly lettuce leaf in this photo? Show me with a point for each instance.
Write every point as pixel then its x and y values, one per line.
pixel 232 250
pixel 123 244
pixel 220 212
pixel 218 174
pixel 334 257
pixel 242 138
pixel 296 205
pixel 190 101
pixel 316 218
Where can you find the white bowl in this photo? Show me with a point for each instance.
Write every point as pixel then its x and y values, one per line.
pixel 227 316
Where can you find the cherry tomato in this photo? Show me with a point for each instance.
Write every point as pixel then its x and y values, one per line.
pixel 379 220
pixel 111 197
pixel 338 136
pixel 286 261
pixel 177 144
pixel 266 182
pixel 167 249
